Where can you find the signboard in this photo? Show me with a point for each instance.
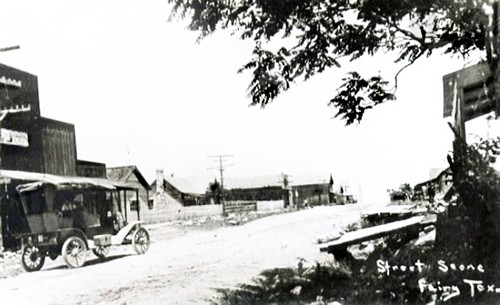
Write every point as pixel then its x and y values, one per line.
pixel 10 82
pixel 11 137
pixel 18 89
pixel 474 87
pixel 5 180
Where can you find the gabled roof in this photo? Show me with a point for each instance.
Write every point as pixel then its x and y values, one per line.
pixel 123 173
pixel 192 186
pixel 434 176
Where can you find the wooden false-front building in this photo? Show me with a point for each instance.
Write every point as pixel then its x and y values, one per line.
pixel 32 143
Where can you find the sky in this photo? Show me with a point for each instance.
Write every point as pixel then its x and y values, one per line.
pixel 140 91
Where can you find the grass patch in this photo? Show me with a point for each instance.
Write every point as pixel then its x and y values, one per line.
pixel 289 286
pixel 364 282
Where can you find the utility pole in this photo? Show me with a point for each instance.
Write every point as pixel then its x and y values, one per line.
pixel 221 167
pixel 285 179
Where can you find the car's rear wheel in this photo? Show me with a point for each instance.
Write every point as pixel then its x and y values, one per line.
pixel 31 258
pixel 74 252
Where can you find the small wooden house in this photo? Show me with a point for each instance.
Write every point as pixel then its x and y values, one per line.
pixel 130 175
pixel 436 187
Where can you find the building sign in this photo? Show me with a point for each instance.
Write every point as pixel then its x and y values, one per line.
pixel 5 180
pixel 11 137
pixel 18 89
pixel 473 86
pixel 10 82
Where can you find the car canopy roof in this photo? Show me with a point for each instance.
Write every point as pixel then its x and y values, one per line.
pixel 38 180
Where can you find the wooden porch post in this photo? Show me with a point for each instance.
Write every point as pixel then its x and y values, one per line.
pixel 125 204
pixel 138 205
pixel 119 201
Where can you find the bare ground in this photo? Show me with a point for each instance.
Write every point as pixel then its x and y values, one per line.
pixel 185 264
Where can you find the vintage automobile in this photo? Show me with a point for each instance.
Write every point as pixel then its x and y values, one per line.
pixel 69 216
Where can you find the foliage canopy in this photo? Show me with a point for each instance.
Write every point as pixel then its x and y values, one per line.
pixel 324 31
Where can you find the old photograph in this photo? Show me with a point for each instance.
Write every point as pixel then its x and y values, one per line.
pixel 247 152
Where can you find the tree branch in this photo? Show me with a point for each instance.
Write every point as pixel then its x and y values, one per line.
pixel 412 61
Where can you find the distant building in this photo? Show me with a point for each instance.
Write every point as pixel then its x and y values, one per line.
pixel 344 194
pixel 436 187
pixel 257 188
pixel 176 197
pixel 312 194
pixel 294 191
pixel 131 176
pixel 90 169
pixel 185 191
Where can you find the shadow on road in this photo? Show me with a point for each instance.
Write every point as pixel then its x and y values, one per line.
pixel 91 262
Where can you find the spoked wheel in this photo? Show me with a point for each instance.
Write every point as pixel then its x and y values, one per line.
pixel 31 258
pixel 140 240
pixel 101 251
pixel 74 252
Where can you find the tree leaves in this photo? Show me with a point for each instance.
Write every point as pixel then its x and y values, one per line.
pixel 270 75
pixel 477 184
pixel 357 95
pixel 322 31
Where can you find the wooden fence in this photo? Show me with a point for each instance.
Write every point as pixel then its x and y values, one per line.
pixel 238 207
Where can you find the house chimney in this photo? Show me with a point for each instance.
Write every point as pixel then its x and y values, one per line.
pixel 159 180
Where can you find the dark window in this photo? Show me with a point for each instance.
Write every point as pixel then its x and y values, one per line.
pixel 151 204
pixel 35 203
pixel 134 205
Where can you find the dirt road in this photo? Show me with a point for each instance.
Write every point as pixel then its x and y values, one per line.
pixel 185 269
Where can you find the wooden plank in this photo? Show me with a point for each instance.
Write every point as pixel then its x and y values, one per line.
pixel 241 207
pixel 390 210
pixel 359 236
